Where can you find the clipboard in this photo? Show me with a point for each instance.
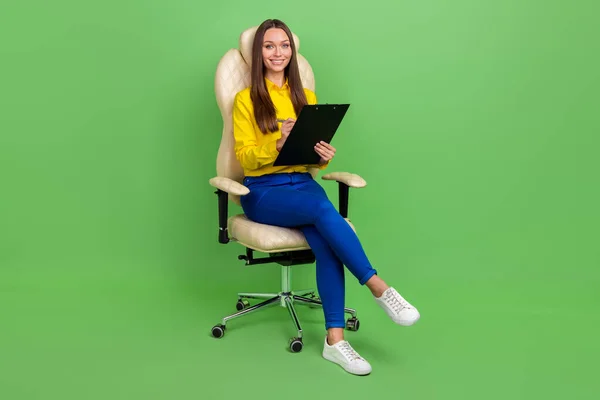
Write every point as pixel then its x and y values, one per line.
pixel 316 122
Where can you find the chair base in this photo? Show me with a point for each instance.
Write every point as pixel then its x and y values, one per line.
pixel 286 298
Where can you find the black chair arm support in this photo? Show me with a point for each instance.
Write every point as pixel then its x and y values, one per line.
pixel 345 181
pixel 223 199
pixel 344 196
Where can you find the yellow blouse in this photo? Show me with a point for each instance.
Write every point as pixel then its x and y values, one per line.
pixel 256 151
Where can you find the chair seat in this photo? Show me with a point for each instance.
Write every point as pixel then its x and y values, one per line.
pixel 267 238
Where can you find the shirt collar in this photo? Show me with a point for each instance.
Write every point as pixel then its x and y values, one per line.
pixel 272 86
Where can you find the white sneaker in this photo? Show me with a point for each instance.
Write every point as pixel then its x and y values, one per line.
pixel 344 355
pixel 399 310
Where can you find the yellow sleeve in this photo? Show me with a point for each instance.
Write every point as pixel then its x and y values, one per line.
pixel 311 97
pixel 250 154
pixel 323 166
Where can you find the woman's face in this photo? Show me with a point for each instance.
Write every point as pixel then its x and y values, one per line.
pixel 276 50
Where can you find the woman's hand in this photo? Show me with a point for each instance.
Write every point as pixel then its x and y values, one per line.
pixel 286 128
pixel 326 151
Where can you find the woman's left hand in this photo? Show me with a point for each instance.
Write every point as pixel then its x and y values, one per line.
pixel 326 151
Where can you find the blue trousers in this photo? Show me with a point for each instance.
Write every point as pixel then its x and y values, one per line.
pixel 296 200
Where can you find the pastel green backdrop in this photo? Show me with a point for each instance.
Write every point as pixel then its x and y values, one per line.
pixel 474 123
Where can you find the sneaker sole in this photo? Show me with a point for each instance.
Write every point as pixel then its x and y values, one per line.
pixel 407 323
pixel 349 370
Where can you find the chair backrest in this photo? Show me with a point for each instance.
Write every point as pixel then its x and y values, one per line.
pixel 232 76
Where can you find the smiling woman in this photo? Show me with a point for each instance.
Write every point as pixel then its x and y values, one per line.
pixel 288 196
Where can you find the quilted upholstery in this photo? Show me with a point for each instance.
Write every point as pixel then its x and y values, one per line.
pixel 266 238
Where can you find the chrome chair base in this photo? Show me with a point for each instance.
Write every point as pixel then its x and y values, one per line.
pixel 287 299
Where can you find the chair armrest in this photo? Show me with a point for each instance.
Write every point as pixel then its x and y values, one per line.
pixel 351 180
pixel 226 186
pixel 345 181
pixel 229 185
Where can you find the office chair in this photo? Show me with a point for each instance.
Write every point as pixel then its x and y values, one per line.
pixel 284 246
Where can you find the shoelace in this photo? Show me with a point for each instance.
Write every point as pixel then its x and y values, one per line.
pixel 349 352
pixel 396 301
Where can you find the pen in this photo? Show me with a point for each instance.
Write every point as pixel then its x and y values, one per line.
pixel 281 120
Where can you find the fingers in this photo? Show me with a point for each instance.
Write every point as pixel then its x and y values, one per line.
pixel 288 122
pixel 324 149
pixel 327 146
pixel 287 125
pixel 326 152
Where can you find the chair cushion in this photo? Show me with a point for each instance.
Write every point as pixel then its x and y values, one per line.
pixel 267 238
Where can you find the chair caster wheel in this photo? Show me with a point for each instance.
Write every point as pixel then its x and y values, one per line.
pixel 296 345
pixel 241 304
pixel 352 324
pixel 218 331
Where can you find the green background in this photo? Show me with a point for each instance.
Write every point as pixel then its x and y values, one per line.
pixel 474 123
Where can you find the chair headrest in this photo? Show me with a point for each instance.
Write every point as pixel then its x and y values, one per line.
pixel 247 39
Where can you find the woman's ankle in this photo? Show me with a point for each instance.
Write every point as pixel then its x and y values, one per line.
pixel 334 335
pixel 376 285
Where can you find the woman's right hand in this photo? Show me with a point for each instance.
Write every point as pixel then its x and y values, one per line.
pixel 286 128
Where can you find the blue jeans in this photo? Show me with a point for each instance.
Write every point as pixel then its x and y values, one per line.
pixel 296 200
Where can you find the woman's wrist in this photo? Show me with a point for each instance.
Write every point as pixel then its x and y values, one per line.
pixel 279 144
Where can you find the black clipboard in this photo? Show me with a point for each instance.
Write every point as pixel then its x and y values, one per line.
pixel 316 122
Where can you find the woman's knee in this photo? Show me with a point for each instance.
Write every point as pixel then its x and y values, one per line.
pixel 319 245
pixel 327 213
pixel 325 206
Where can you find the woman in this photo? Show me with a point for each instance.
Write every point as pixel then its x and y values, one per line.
pixel 288 196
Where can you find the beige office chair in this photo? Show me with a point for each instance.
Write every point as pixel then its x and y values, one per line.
pixel 284 246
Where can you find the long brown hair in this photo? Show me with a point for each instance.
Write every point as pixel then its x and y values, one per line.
pixel 264 109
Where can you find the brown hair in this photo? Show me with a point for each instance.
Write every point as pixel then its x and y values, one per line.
pixel 264 109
